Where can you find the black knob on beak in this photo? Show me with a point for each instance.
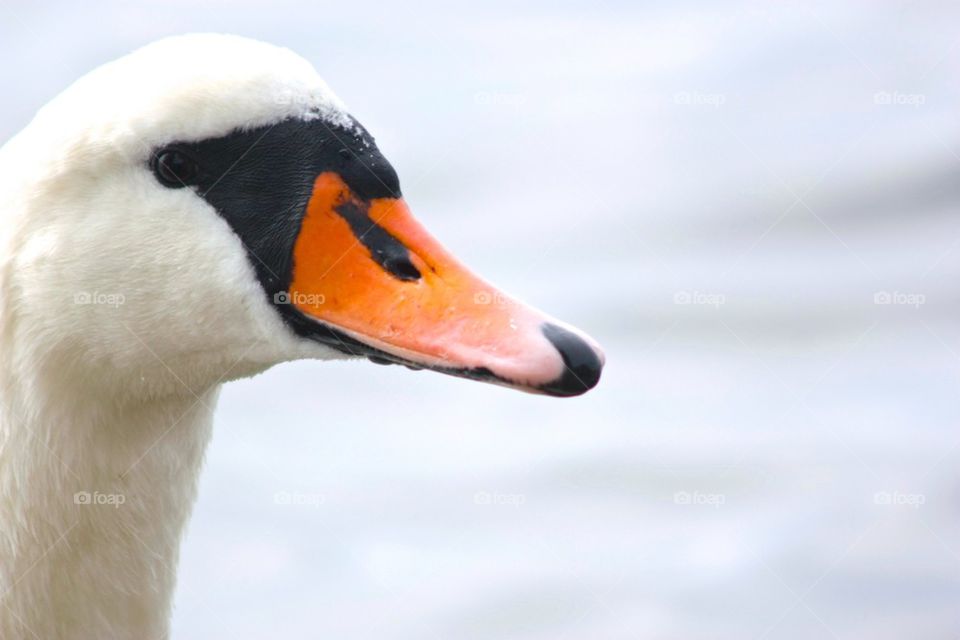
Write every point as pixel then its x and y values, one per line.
pixel 582 363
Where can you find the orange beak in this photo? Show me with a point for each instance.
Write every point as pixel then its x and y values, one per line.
pixel 386 289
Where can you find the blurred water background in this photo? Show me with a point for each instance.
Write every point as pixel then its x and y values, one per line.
pixel 753 206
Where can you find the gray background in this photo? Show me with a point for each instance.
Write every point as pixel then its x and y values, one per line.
pixel 775 459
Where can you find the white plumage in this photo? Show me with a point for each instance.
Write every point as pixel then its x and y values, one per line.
pixel 123 306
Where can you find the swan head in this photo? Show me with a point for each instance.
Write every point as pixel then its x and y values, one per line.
pixel 205 208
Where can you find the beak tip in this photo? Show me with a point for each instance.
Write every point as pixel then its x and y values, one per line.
pixel 582 362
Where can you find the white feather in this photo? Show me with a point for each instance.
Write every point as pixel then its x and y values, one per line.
pixel 123 307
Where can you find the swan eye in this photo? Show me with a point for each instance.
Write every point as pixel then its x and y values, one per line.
pixel 175 169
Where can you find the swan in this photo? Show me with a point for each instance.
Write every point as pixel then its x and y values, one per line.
pixel 195 212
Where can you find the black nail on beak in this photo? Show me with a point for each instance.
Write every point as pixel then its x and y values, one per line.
pixel 582 364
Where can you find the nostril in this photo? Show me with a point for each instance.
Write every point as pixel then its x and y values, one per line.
pixel 582 363
pixel 402 267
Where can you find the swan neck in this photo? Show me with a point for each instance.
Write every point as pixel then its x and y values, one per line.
pixel 94 497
